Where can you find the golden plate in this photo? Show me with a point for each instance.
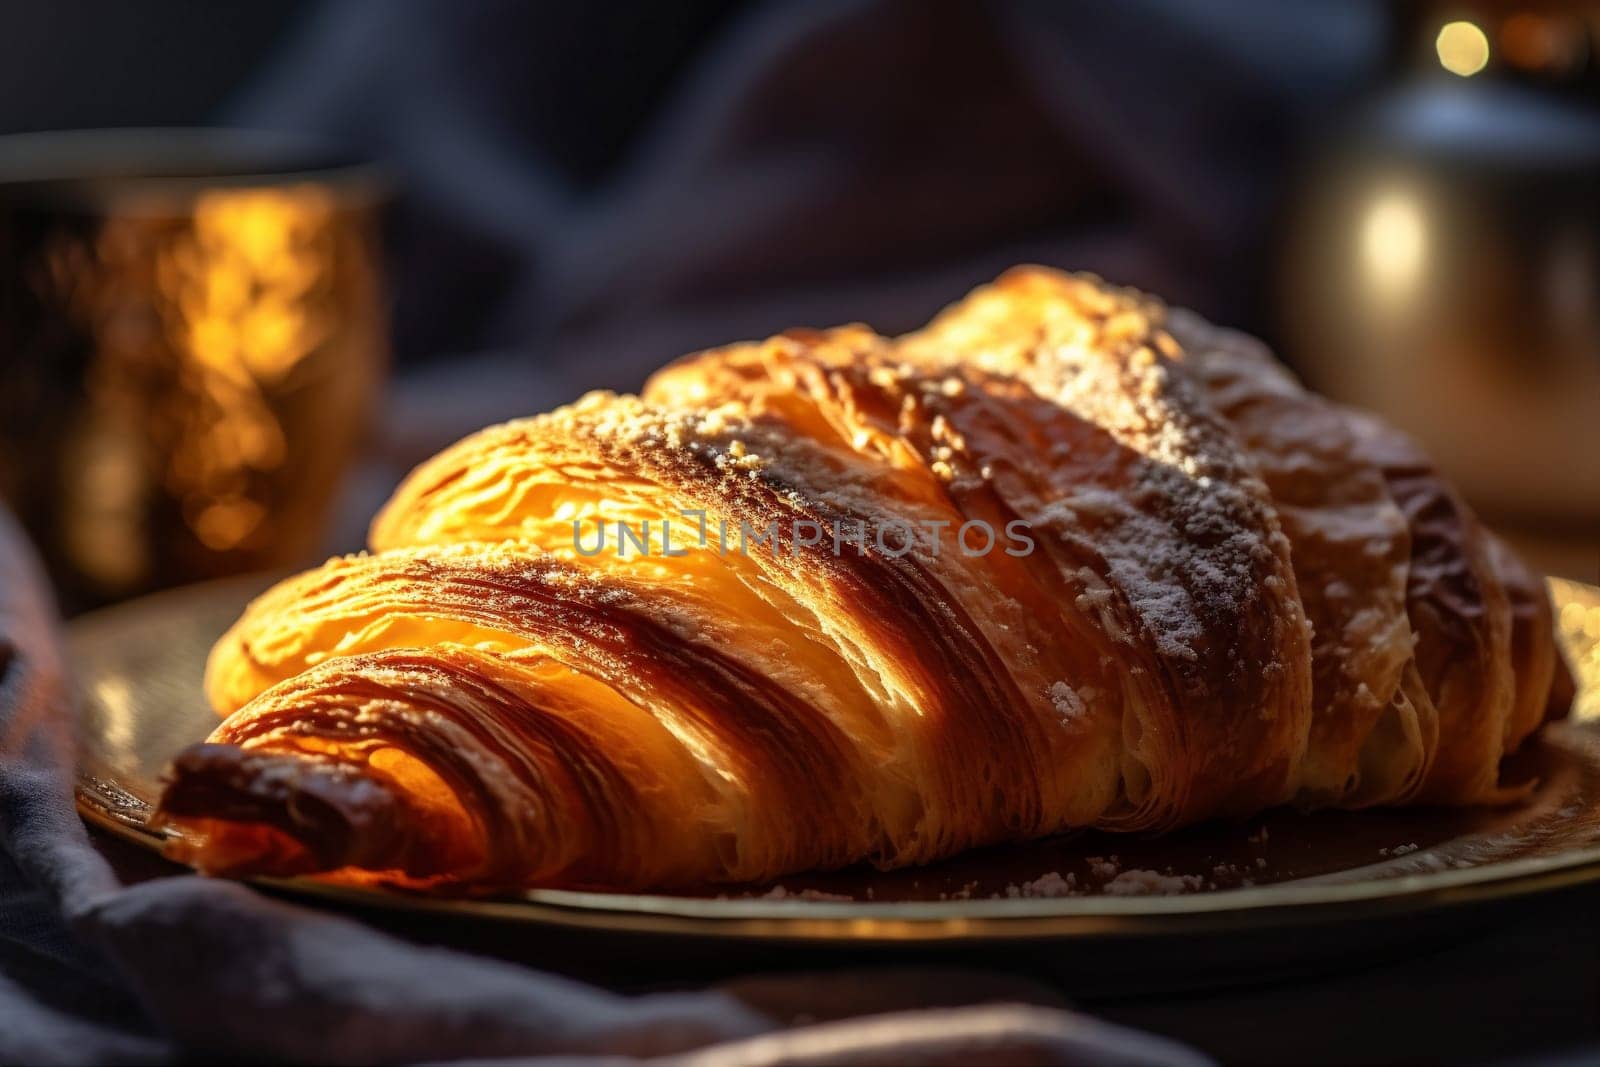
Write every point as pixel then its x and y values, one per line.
pixel 1393 874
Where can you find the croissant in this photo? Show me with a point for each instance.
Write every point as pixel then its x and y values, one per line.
pixel 1064 558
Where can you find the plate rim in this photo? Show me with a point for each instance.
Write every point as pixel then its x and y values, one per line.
pixel 1217 911
pixel 1318 899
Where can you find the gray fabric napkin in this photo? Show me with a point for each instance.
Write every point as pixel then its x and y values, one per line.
pixel 179 967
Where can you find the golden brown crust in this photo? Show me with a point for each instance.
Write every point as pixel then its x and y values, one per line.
pixel 1461 615
pixel 483 701
pixel 1186 537
pixel 1535 659
pixel 1370 743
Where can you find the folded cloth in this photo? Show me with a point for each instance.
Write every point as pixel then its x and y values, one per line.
pixel 604 186
pixel 92 970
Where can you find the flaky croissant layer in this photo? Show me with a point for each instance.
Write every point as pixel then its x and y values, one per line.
pixel 1061 559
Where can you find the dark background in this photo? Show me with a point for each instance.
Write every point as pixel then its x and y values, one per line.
pixel 585 191
pixel 71 64
pixel 1150 140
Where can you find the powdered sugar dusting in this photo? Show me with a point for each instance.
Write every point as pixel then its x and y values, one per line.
pixel 1067 701
pixel 1047 886
pixel 1192 542
pixel 778 892
pixel 1139 883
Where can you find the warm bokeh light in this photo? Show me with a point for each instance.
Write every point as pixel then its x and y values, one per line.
pixel 243 287
pixel 1578 617
pixel 1463 49
pixel 1394 243
pixel 243 279
pixel 1549 44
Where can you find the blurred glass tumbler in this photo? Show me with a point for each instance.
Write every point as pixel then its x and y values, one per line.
pixel 192 334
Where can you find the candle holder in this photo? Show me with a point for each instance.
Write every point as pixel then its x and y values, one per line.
pixel 192 334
